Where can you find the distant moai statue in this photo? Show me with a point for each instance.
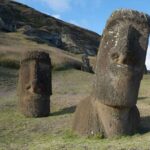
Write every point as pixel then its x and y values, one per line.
pixel 111 109
pixel 35 85
pixel 86 64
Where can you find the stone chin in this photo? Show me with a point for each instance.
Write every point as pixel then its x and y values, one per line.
pixel 36 104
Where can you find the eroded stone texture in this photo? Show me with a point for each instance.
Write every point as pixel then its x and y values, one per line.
pixel 121 59
pixel 119 70
pixel 86 64
pixel 34 87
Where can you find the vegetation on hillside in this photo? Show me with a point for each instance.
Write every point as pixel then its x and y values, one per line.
pixel 42 28
pixel 14 44
pixel 54 132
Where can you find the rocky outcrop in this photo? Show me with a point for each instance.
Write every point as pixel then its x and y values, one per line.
pixel 47 29
pixel 86 64
pixel 9 27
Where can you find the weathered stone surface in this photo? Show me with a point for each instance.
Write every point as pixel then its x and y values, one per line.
pixel 34 87
pixel 111 109
pixel 86 66
pixel 1 23
pixel 44 36
pixel 121 58
pixel 103 120
pixel 9 27
pixel 86 121
pixel 118 121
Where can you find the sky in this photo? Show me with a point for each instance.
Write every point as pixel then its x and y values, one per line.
pixel 89 14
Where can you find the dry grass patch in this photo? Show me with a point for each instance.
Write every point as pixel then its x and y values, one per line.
pixel 13 44
pixel 54 132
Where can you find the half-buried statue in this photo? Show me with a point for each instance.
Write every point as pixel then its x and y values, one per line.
pixel 34 87
pixel 111 109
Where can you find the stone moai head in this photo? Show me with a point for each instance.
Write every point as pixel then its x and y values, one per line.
pixel 34 87
pixel 111 109
pixel 121 58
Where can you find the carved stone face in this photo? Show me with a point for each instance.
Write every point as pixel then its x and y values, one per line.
pixel 35 77
pixel 35 83
pixel 120 62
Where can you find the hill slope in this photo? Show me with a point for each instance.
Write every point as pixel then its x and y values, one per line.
pixel 54 132
pixel 46 29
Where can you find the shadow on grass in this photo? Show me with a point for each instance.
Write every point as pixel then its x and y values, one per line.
pixel 145 125
pixel 64 111
pixel 141 98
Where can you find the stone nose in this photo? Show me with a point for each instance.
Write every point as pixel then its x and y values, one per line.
pixel 126 58
pixel 118 58
pixel 33 87
pixel 122 59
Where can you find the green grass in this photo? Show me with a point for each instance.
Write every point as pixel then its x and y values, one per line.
pixel 10 60
pixel 9 63
pixel 54 132
pixel 13 44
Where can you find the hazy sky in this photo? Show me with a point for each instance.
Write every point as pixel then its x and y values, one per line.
pixel 90 14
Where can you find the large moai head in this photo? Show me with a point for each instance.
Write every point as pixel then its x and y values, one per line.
pixel 111 109
pixel 34 87
pixel 121 58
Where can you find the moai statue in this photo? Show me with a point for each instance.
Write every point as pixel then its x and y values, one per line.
pixel 86 64
pixel 35 87
pixel 111 109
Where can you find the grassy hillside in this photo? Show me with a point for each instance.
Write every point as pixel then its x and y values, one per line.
pixel 54 132
pixel 13 44
pixel 42 28
pixel 23 28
